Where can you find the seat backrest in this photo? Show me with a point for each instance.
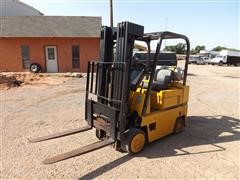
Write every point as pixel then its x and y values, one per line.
pixel 163 76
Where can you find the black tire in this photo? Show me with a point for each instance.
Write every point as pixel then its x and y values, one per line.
pixel 35 68
pixel 220 63
pixel 179 125
pixel 100 134
pixel 131 135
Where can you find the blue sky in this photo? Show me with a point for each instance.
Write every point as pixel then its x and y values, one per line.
pixel 210 23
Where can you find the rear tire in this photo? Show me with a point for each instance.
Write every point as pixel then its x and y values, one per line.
pixel 134 141
pixel 179 125
pixel 220 63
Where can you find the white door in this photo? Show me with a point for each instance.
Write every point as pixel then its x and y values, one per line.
pixel 51 58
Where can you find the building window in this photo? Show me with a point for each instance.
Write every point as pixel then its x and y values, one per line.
pixel 75 57
pixel 25 56
pixel 51 53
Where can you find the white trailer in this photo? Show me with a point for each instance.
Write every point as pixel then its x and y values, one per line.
pixel 230 53
pixel 227 57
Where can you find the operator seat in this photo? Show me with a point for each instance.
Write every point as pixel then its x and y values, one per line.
pixel 162 78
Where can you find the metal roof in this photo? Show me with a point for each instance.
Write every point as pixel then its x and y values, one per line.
pixel 17 8
pixel 50 26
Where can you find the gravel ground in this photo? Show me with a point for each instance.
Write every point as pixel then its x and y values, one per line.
pixel 208 147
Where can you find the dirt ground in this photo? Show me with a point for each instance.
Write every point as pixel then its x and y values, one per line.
pixel 11 79
pixel 209 147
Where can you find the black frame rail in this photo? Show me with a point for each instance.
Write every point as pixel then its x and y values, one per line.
pixel 102 107
pixel 161 36
pixel 95 87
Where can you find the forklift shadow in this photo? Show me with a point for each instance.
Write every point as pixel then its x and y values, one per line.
pixel 202 131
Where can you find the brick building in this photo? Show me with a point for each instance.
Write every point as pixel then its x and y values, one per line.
pixel 57 43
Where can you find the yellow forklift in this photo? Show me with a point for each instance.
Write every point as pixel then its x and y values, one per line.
pixel 131 101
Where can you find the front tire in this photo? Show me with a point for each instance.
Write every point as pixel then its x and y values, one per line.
pixel 100 134
pixel 134 141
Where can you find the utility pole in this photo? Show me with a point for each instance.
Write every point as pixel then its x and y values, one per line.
pixel 111 14
pixel 166 26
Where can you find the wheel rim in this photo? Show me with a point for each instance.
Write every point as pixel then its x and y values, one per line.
pixel 137 143
pixel 34 68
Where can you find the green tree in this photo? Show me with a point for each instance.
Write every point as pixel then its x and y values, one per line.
pixel 179 48
pixel 192 51
pixel 197 49
pixel 219 48
pixel 169 48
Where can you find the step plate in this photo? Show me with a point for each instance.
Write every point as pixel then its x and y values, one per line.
pixel 79 151
pixel 60 134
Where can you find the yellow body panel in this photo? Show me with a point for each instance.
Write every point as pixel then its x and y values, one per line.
pixel 174 96
pixel 186 94
pixel 164 108
pixel 137 99
pixel 165 121
pixel 166 98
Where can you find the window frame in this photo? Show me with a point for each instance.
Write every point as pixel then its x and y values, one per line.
pixel 25 56
pixel 75 56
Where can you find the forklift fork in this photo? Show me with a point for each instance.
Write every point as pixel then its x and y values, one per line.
pixel 75 152
pixel 61 134
pixel 79 151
